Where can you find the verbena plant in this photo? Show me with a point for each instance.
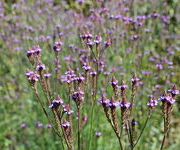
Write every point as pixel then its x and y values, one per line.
pixel 82 84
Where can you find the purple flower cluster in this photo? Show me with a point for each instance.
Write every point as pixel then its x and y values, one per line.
pixel 98 39
pixel 159 66
pixel 86 67
pixel 174 91
pixel 32 76
pixel 47 75
pixel 113 104
pixel 57 46
pixel 56 102
pixel 80 78
pixel 40 67
pixel 78 95
pixel 114 83
pixel 38 124
pixel 93 73
pixel 152 102
pixel 123 86
pixel 23 125
pixel 167 98
pixel 68 77
pixel 86 36
pixel 98 134
pixel 34 51
pixel 67 110
pixel 135 80
pixel 104 101
pixel 65 124
pixel 125 104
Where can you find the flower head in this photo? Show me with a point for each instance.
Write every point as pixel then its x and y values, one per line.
pixel 78 95
pixel 152 102
pixel 56 103
pixel 65 124
pixel 86 67
pixel 32 76
pixel 40 67
pixel 134 80
pixel 47 75
pixel 125 104
pixel 174 91
pixel 114 82
pixel 104 101
pixel 123 86
pixel 67 110
pixel 98 134
pixel 167 98
pixel 57 46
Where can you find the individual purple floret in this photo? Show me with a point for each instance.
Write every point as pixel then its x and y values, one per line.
pixel 40 67
pixel 93 73
pixel 34 50
pixel 23 125
pixel 68 77
pixel 48 125
pixel 30 53
pixel 56 102
pixel 125 104
pixel 154 15
pixel 167 98
pixel 65 124
pixel 104 101
pixel 98 134
pixel 57 46
pixel 107 43
pixel 86 67
pixel 80 1
pixel 80 78
pixel 174 91
pixel 134 122
pixel 32 76
pixel 78 95
pixel 67 110
pixel 114 104
pixel 39 124
pixel 98 39
pixel 134 37
pixel 90 43
pixel 159 66
pixel 123 86
pixel 47 75
pixel 126 127
pixel 152 102
pixel 135 80
pixel 114 82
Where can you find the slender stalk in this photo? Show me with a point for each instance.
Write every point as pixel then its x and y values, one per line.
pixel 92 116
pixel 130 136
pixel 95 85
pixel 58 119
pixel 166 127
pixel 162 144
pixel 145 124
pixel 79 124
pixel 112 125
pixel 44 110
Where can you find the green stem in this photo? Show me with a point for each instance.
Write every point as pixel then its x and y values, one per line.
pixel 164 138
pixel 79 123
pixel 145 124
pixel 44 110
